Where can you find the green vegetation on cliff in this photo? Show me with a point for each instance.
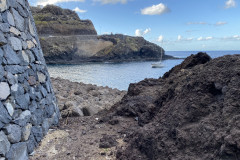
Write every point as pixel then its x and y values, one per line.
pixel 53 20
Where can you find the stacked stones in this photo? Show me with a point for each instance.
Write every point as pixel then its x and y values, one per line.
pixel 27 102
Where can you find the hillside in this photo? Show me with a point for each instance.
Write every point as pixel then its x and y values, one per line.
pixel 65 39
pixel 114 48
pixel 53 20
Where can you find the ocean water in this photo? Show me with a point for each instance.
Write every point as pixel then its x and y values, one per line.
pixel 120 75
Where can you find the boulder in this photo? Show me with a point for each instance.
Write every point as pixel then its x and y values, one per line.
pixel 13 133
pixel 18 151
pixel 72 110
pixel 26 131
pixel 3 5
pixel 5 90
pixel 10 54
pixel 4 144
pixel 23 118
pixel 4 116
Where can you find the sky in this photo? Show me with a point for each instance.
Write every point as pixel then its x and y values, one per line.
pixel 176 25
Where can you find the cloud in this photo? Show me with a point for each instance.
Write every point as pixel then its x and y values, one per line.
pixel 230 38
pixel 111 1
pixel 179 38
pixel 46 2
pixel 204 39
pixel 140 33
pixel 202 23
pixel 209 38
pixel 79 10
pixel 155 10
pixel 230 4
pixel 160 38
pixel 189 39
pixel 220 23
pixel 147 31
pixel 236 36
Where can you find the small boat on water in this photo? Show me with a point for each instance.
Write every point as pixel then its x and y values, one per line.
pixel 159 64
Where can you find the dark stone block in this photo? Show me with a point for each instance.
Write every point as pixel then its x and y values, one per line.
pixel 23 101
pixel 11 55
pixel 15 69
pixel 4 116
pixel 18 151
pixel 37 132
pixel 31 143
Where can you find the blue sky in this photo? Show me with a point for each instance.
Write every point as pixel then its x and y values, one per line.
pixel 177 25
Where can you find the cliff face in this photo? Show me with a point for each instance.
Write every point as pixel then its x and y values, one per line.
pixel 77 49
pixel 71 49
pixel 130 48
pixel 53 20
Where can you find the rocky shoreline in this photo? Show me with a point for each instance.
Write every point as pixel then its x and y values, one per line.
pixel 192 112
pixel 79 104
pixel 79 99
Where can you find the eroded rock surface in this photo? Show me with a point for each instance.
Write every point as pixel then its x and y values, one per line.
pixel 193 113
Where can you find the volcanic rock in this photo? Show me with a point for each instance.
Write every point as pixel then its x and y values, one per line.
pixel 191 113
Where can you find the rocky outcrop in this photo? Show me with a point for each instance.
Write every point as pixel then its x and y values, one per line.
pixel 113 48
pixel 191 113
pixel 127 48
pixel 53 20
pixel 28 106
pixel 71 49
pixel 79 99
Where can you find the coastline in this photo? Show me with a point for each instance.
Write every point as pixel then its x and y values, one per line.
pixel 86 61
pixel 155 112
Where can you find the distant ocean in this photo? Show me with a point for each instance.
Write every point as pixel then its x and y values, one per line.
pixel 120 75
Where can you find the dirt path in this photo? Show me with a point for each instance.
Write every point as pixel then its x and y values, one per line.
pixel 83 138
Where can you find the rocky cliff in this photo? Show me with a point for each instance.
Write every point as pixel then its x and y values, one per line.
pixel 66 39
pixel 53 20
pixel 78 49
pixel 130 48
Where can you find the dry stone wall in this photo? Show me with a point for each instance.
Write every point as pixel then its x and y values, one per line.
pixel 27 103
